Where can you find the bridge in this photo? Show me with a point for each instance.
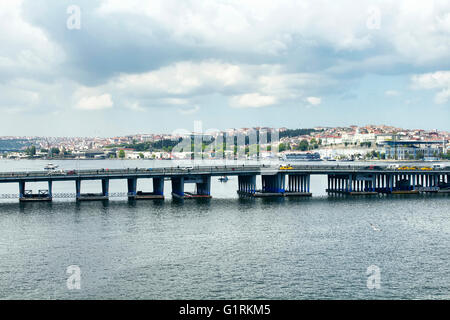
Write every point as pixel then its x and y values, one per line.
pixel 276 181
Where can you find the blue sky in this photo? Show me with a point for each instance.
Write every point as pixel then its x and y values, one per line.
pixel 123 67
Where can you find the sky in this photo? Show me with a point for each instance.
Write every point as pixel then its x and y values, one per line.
pixel 114 67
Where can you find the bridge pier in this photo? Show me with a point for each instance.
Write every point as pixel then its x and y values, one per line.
pixel 299 185
pixel 131 186
pixel 247 185
pixel 178 187
pixel 435 183
pixel 352 184
pixel 29 196
pixel 202 187
pixel 134 194
pixel 104 195
pixel 398 183
pixel 272 185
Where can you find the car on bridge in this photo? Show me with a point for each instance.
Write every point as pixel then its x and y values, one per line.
pixel 59 172
pixel 407 168
pixel 288 167
pixel 374 168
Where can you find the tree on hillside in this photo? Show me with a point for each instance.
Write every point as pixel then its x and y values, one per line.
pixel 303 145
pixel 31 151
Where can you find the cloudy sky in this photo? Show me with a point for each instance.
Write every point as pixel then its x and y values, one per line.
pixel 113 67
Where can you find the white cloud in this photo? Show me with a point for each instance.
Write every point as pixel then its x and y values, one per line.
pixel 189 111
pixel 418 31
pixel 252 100
pixel 442 96
pixel 175 101
pixel 100 102
pixel 314 101
pixel 439 80
pixel 243 84
pixel 433 80
pixel 391 93
pixel 25 48
pixel 135 106
pixel 183 78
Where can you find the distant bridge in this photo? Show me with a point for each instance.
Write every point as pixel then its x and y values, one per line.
pixel 276 181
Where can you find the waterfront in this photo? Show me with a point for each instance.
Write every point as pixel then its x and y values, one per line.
pixel 226 247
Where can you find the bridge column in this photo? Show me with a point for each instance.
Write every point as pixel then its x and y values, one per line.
pixel 105 187
pixel 204 188
pixel 132 186
pixel 158 186
pixel 282 182
pixel 252 184
pixel 247 184
pixel 21 189
pixel 350 184
pixel 178 186
pixel 273 183
pixel 50 188
pixel 78 188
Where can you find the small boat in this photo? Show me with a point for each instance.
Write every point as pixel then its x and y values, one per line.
pixel 223 179
pixel 51 166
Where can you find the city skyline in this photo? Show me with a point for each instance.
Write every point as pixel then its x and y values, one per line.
pixel 207 131
pixel 104 68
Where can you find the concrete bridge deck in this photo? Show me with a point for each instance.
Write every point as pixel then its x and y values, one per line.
pixel 276 181
pixel 236 170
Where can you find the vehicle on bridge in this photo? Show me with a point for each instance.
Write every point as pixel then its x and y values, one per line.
pixel 50 166
pixel 374 168
pixel 288 167
pixel 393 166
pixel 59 172
pixel 407 168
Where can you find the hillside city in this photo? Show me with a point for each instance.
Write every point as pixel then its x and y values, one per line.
pixel 371 142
